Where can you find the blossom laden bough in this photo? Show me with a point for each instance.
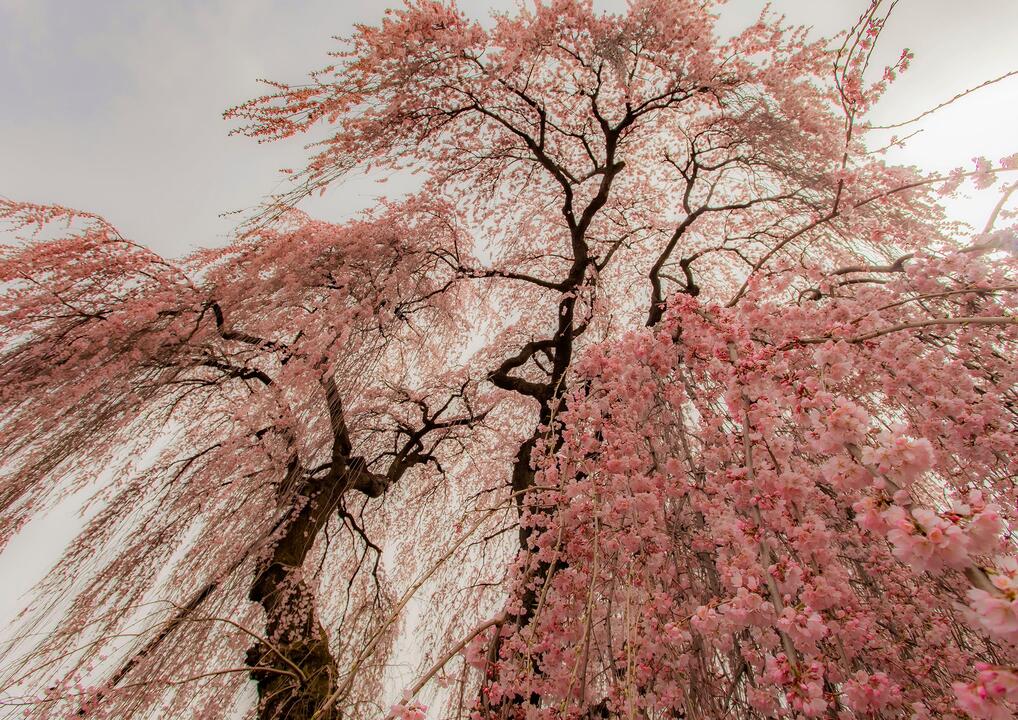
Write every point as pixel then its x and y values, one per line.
pixel 664 396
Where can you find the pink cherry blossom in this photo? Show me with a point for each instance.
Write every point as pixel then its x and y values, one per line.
pixel 662 395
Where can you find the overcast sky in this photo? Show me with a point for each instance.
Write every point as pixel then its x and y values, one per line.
pixel 115 106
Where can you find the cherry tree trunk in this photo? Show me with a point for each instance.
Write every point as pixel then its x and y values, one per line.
pixel 293 667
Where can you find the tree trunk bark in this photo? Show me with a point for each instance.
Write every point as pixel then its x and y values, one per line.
pixel 293 667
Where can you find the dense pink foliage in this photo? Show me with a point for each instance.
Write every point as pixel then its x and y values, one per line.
pixel 662 397
pixel 767 472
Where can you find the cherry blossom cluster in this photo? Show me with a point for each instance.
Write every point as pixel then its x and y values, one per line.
pixel 734 499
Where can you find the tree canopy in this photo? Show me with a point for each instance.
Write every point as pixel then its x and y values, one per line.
pixel 663 396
